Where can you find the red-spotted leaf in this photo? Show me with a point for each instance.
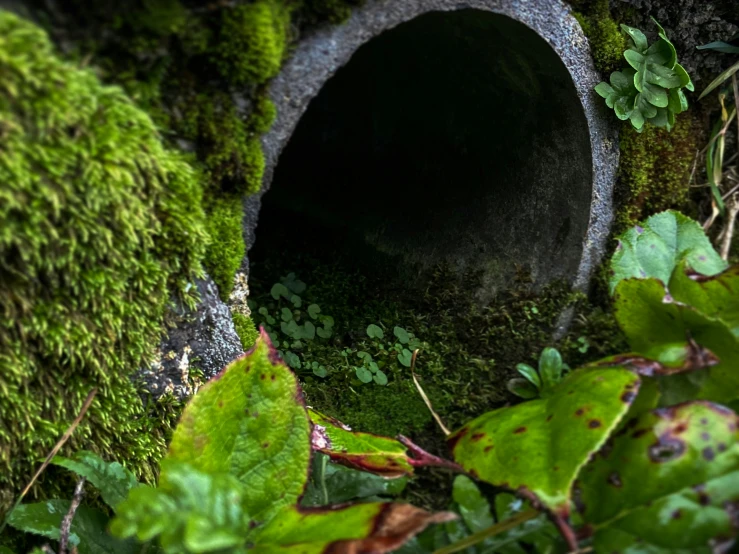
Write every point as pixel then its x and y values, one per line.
pixel 669 478
pixel 652 320
pixel 539 446
pixel 364 451
pixel 250 422
pixel 373 527
pixel 669 359
pixel 716 296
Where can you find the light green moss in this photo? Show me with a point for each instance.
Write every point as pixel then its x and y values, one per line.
pixel 99 226
pixel 224 228
pixel 246 330
pixel 263 116
pixel 253 41
pixel 607 43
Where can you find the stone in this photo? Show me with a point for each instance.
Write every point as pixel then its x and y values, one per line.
pixel 548 204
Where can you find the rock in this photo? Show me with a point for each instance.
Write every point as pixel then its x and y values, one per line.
pixel 205 339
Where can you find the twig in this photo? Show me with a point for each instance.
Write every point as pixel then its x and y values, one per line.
pixel 420 458
pixel 65 437
pixel 728 234
pixel 67 521
pixel 425 398
pixel 491 531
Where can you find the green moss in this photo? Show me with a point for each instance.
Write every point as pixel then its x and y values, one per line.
pixel 99 226
pixel 655 170
pixel 224 228
pixel 253 41
pixel 246 330
pixel 263 116
pixel 607 42
pixel 333 11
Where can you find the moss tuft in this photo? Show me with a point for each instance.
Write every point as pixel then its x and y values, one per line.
pixel 246 330
pixel 263 116
pixel 223 259
pixel 655 170
pixel 99 226
pixel 333 11
pixel 607 42
pixel 253 41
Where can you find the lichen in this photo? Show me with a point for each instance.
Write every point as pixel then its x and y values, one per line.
pixel 100 225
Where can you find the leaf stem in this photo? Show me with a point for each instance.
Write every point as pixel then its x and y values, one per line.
pixel 491 531
pixel 324 461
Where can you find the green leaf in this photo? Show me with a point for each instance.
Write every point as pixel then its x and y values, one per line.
pixel 672 60
pixel 296 300
pixel 287 314
pixel 405 357
pixel 639 40
pixel 685 79
pixel 650 320
pixel 342 484
pixel 374 332
pixel 473 507
pixel 87 532
pixel 651 78
pixel 402 335
pixel 292 359
pixel 309 331
pixel 550 369
pixel 364 451
pixel 320 371
pixel 363 374
pixel 379 377
pixel 679 482
pixel 110 478
pixel 724 76
pixel 294 284
pixel 279 291
pixel 716 296
pixel 539 446
pixel 314 310
pixel 324 332
pixel 655 248
pixel 620 93
pixel 530 373
pixel 372 527
pixel 190 511
pixel 523 388
pixel 720 46
pixel 250 421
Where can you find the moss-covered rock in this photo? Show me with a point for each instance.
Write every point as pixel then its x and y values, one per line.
pixel 99 225
pixel 607 43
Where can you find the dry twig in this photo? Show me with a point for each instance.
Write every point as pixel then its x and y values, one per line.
pixel 67 521
pixel 425 398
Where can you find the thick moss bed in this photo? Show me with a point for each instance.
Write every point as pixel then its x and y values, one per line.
pixel 100 225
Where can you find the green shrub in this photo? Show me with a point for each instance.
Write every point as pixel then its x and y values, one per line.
pixel 99 226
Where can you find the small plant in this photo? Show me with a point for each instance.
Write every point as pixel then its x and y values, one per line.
pixel 400 349
pixel 651 89
pixel 538 382
pixel 290 327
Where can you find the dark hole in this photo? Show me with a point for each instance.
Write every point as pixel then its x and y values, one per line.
pixel 454 138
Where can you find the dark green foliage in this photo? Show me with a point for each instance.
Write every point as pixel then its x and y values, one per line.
pixel 650 91
pixel 99 226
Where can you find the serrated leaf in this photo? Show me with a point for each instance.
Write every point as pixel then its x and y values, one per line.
pixel 87 532
pixel 110 478
pixel 716 296
pixel 654 249
pixel 190 511
pixel 250 421
pixel 675 455
pixel 364 451
pixel 375 332
pixel 650 319
pixel 540 445
pixel 372 527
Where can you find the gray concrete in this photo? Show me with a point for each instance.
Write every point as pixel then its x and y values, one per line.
pixel 563 233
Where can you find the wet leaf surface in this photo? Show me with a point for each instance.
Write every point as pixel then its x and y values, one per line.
pixel 364 451
pixel 540 445
pixel 650 321
pixel 669 477
pixel 250 421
